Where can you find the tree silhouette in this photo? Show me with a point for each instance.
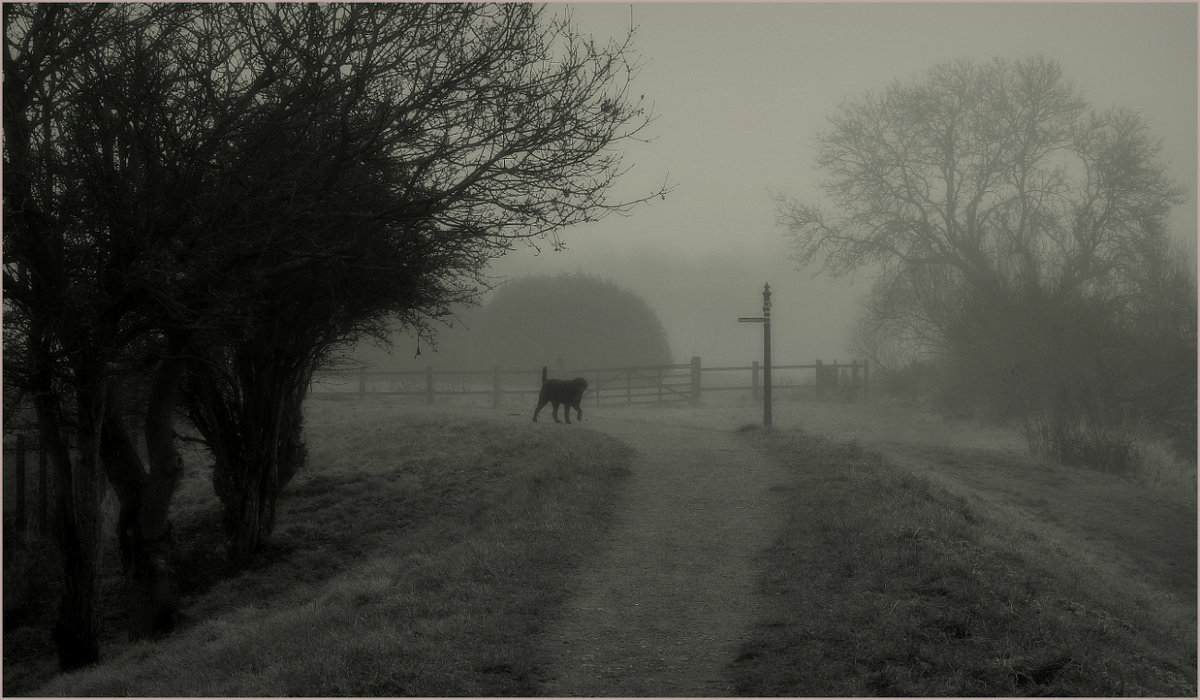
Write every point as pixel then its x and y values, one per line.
pixel 567 321
pixel 1017 232
pixel 220 195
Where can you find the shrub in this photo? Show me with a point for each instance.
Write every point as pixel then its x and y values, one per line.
pixel 1078 443
pixel 1080 424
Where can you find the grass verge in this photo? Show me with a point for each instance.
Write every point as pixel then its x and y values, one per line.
pixel 417 555
pixel 883 584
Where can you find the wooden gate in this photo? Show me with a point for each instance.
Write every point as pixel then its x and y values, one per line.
pixel 640 385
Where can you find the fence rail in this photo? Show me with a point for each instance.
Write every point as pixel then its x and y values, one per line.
pixel 25 460
pixel 606 385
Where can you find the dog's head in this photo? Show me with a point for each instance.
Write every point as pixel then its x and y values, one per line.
pixel 580 384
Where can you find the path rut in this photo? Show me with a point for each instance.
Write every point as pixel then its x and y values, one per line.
pixel 665 602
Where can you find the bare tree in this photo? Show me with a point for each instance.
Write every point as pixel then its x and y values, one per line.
pixel 427 140
pixel 54 280
pixel 223 194
pixel 996 206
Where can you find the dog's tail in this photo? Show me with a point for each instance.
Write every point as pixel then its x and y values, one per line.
pixel 543 375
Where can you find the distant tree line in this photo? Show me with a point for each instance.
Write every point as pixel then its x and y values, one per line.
pixel 205 203
pixel 1023 254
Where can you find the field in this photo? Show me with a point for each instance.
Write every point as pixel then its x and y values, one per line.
pixel 440 551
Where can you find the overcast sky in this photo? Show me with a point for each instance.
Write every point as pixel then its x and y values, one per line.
pixel 742 89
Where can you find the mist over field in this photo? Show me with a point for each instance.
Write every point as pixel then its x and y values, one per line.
pixel 405 349
pixel 698 301
pixel 742 92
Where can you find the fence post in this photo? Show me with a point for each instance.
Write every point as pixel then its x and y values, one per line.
pixel 362 383
pixel 43 498
pixel 496 386
pixel 696 379
pixel 866 379
pixel 854 377
pixel 754 380
pixel 628 388
pixel 429 385
pixel 20 484
pixel 820 381
pixel 660 383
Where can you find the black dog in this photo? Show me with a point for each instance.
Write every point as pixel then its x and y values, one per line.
pixel 561 391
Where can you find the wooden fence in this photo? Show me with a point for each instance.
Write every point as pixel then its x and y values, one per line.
pixel 25 463
pixel 606 385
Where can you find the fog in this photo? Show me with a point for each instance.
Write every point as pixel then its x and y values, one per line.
pixel 741 92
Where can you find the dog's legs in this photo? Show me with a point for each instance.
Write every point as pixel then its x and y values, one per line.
pixel 554 412
pixel 541 404
pixel 578 412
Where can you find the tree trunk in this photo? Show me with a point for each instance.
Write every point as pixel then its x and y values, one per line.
pixel 144 529
pixel 150 574
pixel 249 511
pixel 76 489
pixel 253 424
pixel 250 477
pixel 149 601
pixel 77 494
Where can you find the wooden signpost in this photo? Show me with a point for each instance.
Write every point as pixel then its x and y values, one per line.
pixel 765 319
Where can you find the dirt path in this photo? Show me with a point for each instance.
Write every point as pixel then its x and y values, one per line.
pixel 663 606
pixel 661 610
